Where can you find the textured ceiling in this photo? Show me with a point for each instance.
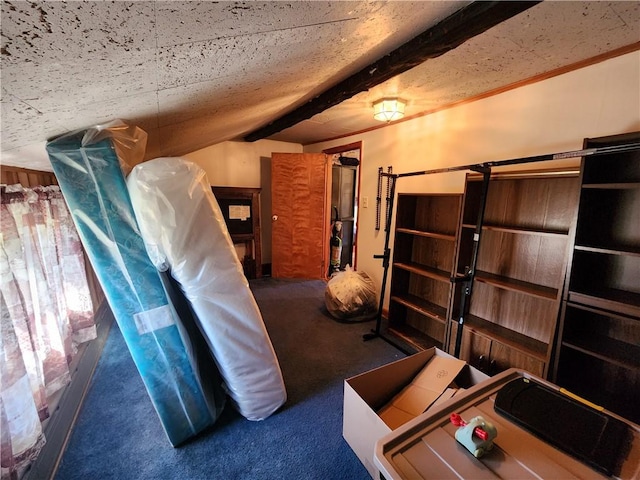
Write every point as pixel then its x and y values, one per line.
pixel 194 74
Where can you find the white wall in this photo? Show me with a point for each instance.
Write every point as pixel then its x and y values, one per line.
pixel 242 164
pixel 545 117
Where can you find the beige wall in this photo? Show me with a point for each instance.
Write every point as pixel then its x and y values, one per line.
pixel 237 164
pixel 545 117
pixel 242 164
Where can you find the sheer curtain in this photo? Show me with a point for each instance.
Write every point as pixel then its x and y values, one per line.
pixel 46 312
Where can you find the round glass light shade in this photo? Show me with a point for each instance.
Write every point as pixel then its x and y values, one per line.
pixel 388 109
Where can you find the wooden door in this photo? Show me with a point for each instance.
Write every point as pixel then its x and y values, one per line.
pixel 300 209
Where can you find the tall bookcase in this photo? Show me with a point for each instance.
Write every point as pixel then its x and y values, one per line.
pixel 423 264
pixel 556 287
pixel 599 335
pixel 524 245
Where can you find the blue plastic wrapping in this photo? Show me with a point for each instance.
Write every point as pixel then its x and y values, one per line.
pixel 90 166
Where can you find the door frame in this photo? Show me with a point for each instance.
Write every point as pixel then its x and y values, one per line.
pixel 343 149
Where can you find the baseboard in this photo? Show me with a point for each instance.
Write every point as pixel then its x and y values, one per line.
pixel 58 428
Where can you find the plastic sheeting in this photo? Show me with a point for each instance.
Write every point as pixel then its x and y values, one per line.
pixel 89 167
pixel 185 231
pixel 350 295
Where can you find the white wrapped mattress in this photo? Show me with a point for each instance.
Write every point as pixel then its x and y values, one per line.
pixel 185 232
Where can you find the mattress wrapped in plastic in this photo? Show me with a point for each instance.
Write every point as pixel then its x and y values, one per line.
pixel 87 165
pixel 184 229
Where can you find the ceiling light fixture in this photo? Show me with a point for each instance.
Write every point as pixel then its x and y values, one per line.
pixel 388 109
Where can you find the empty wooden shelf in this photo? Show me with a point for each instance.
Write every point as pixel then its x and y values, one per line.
pixel 513 310
pixel 598 342
pixel 423 260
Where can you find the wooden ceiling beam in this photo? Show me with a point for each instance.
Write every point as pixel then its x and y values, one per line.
pixel 453 31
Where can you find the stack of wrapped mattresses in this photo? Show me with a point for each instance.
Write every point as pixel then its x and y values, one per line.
pixel 161 251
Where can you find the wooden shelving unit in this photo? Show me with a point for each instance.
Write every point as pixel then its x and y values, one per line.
pixel 598 345
pixel 421 288
pixel 524 245
pixel 243 230
pixel 542 271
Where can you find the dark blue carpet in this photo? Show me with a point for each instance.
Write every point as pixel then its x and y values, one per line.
pixel 119 436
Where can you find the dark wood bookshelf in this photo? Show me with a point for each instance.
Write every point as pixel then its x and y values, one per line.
pixel 422 233
pixel 424 271
pixel 521 230
pixel 522 259
pixel 515 285
pixel 626 303
pixel 508 337
pixel 415 338
pixel 422 306
pixel 607 349
pixel 246 231
pixel 630 250
pixel 556 287
pixel 421 290
pixel 613 186
pixel 599 330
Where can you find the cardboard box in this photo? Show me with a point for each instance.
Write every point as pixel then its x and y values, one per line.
pixel 369 392
pixel 423 391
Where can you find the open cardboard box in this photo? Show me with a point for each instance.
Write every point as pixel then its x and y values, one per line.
pixel 395 391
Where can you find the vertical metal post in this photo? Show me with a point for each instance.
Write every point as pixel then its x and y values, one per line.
pixel 385 256
pixel 470 273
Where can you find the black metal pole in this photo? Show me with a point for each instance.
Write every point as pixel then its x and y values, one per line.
pixel 538 158
pixel 385 257
pixel 471 271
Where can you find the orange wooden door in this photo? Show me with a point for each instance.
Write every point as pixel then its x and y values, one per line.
pixel 299 208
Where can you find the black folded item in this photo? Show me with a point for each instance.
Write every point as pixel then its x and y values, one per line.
pixel 349 161
pixel 590 435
